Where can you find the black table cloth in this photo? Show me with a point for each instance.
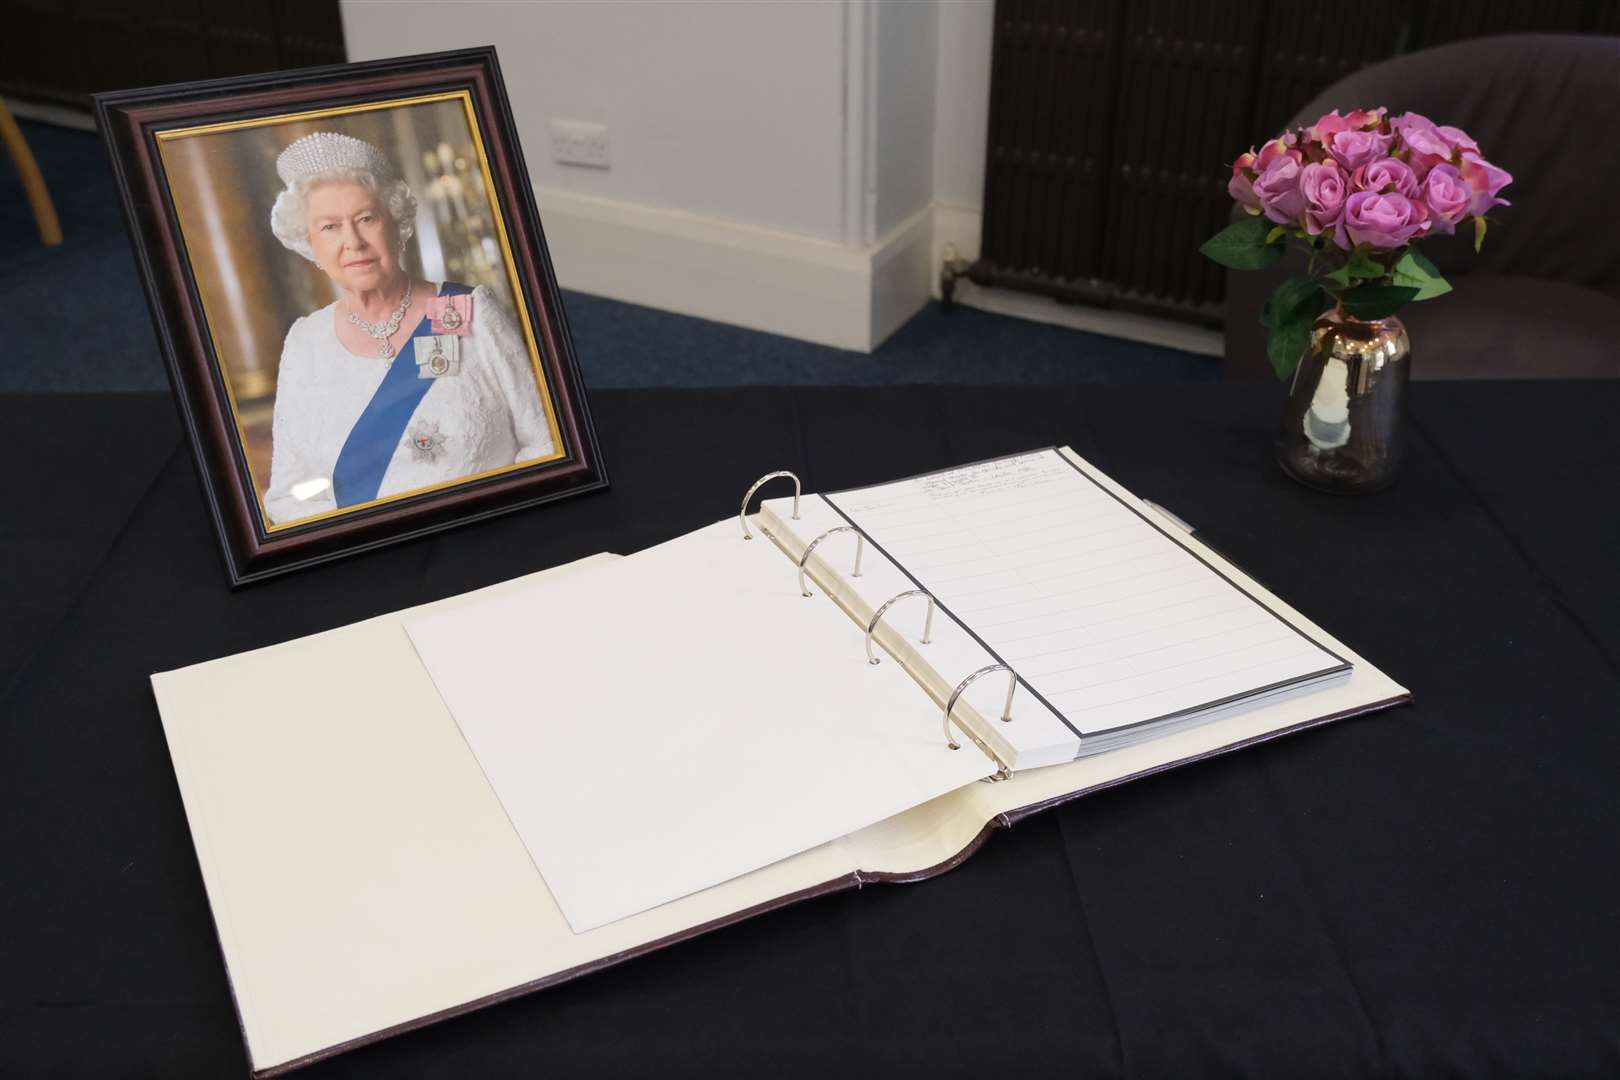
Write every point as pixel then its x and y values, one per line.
pixel 1429 890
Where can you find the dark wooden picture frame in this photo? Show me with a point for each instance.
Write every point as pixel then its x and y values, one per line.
pixel 131 122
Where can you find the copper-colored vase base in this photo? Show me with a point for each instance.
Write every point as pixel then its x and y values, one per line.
pixel 1336 474
pixel 1343 425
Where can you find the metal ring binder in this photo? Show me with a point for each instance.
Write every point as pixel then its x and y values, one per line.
pixel 1006 710
pixel 860 549
pixel 742 515
pixel 877 617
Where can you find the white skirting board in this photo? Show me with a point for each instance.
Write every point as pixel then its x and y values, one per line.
pixel 959 227
pixel 780 283
pixel 797 286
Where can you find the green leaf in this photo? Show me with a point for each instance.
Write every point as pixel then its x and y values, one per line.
pixel 1271 237
pixel 1293 294
pixel 1416 271
pixel 1242 245
pixel 1359 265
pixel 1368 302
pixel 1423 262
pixel 1288 315
pixel 1479 233
pixel 1286 344
pixel 1363 267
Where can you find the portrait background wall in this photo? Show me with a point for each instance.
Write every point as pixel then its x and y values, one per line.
pixel 223 183
pixel 499 421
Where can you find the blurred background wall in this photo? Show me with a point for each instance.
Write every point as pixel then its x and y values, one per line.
pixel 253 288
pixel 803 166
pixel 769 165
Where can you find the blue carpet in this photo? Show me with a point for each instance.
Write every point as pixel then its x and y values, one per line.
pixel 78 320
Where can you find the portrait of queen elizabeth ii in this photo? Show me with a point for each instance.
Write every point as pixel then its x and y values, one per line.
pixel 355 304
pixel 400 384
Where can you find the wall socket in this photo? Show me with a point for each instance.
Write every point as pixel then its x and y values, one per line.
pixel 574 142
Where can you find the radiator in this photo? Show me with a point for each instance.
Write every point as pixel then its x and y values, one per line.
pixel 1112 124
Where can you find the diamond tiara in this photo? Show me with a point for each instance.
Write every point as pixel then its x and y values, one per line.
pixel 327 151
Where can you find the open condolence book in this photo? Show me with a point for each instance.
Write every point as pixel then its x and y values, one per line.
pixel 556 773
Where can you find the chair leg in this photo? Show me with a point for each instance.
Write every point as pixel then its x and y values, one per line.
pixel 39 199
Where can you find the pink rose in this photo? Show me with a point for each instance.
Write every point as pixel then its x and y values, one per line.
pixel 1425 146
pixel 1277 188
pixel 1386 174
pixel 1457 138
pixel 1332 123
pixel 1353 149
pixel 1447 196
pixel 1326 127
pixel 1410 121
pixel 1484 180
pixel 1281 146
pixel 1241 186
pixel 1311 151
pixel 1324 188
pixel 1385 221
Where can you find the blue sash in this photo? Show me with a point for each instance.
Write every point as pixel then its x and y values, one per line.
pixel 372 441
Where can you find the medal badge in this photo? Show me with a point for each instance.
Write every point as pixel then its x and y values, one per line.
pixel 438 356
pixel 450 314
pixel 425 440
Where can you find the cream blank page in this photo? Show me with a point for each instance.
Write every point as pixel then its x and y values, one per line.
pixel 361 872
pixel 1106 617
pixel 679 718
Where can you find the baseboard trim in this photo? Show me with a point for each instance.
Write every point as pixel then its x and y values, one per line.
pixel 901 269
pixel 776 282
pixel 814 290
pixel 959 228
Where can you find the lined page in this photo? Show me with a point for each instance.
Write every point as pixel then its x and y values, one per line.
pixel 1107 619
pixel 1038 738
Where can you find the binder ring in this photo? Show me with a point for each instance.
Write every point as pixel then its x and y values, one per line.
pixel 1006 710
pixel 860 549
pixel 742 515
pixel 877 617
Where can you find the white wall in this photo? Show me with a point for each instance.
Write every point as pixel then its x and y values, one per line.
pixel 907 40
pixel 962 102
pixel 727 110
pixel 774 164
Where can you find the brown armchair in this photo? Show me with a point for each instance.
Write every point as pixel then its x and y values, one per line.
pixel 1542 300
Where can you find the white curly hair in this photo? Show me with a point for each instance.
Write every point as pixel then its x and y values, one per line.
pixel 291 226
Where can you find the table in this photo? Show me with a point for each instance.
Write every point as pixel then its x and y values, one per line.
pixel 1432 889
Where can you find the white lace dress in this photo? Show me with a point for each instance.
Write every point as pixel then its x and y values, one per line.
pixel 488 416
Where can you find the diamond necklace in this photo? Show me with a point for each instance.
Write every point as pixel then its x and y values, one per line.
pixel 386 328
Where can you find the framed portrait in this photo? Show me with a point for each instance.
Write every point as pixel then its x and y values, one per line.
pixel 355 302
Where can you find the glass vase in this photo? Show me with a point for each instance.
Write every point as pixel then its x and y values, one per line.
pixel 1343 429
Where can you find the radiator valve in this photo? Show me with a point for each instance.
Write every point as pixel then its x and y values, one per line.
pixel 953 267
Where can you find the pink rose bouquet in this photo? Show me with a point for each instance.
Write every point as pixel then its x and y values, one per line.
pixel 1357 193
